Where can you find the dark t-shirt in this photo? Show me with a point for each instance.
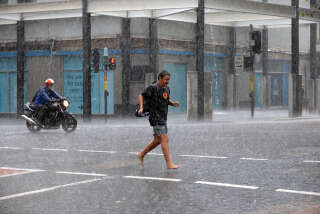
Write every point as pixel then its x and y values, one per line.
pixel 157 100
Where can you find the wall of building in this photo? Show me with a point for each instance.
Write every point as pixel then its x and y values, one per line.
pixel 176 44
pixel 41 68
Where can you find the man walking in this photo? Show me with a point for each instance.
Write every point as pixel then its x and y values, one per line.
pixel 157 97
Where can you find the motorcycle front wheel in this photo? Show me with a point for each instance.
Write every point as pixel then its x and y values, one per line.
pixel 69 123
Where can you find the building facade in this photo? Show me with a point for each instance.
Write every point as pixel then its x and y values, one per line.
pixel 53 49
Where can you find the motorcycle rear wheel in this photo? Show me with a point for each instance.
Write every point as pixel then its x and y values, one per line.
pixel 69 124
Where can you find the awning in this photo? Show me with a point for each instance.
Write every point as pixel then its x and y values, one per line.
pixel 218 12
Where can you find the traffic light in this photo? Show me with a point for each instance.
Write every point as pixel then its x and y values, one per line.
pixel 256 37
pixel 248 62
pixel 96 60
pixel 112 63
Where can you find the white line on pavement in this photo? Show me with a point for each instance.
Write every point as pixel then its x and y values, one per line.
pixel 311 161
pixel 298 192
pixel 13 148
pixel 27 171
pixel 95 151
pixel 226 185
pixel 81 173
pixel 32 170
pixel 47 189
pixel 153 178
pixel 134 153
pixel 47 149
pixel 203 156
pixel 254 159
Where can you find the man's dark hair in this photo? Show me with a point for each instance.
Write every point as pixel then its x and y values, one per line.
pixel 163 73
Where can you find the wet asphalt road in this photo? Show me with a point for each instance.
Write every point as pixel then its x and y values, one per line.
pixel 231 165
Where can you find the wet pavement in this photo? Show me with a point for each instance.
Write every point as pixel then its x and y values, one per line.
pixel 232 164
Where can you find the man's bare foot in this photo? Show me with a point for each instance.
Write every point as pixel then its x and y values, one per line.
pixel 139 156
pixel 172 166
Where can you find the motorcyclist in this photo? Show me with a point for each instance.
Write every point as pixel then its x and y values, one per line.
pixel 43 99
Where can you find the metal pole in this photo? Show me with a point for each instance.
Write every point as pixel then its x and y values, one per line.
pixel 20 67
pixel 200 57
pixel 106 94
pixel 251 94
pixel 86 34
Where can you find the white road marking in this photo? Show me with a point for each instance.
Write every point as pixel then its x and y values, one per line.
pixel 32 170
pixel 153 178
pixel 133 153
pixel 298 192
pixel 81 173
pixel 47 149
pixel 254 159
pixel 203 156
pixel 28 171
pixel 311 161
pixel 13 148
pixel 47 189
pixel 219 113
pixel 226 185
pixel 95 151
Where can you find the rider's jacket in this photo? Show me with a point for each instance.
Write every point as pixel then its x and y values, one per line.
pixel 44 96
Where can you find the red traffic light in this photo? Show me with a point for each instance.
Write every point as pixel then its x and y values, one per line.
pixel 112 63
pixel 112 60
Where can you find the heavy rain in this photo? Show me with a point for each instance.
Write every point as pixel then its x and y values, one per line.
pixel 195 106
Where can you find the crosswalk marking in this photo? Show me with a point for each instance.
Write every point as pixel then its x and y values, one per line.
pixel 298 192
pixel 226 185
pixel 153 178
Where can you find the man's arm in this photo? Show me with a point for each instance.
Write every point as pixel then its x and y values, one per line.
pixel 140 104
pixel 174 103
pixel 56 95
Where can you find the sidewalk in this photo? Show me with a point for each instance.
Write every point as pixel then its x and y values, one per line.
pixel 180 118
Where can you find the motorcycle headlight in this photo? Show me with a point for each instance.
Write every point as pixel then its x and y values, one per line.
pixel 66 103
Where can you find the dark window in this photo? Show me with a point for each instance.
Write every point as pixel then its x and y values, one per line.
pixel 138 72
pixel 26 1
pixel 3 1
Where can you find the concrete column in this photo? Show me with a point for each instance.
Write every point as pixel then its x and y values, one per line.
pixel 296 101
pixel 233 72
pixel 317 95
pixel 20 67
pixel 313 60
pixel 200 57
pixel 192 95
pixel 86 49
pixel 310 96
pixel 153 46
pixel 266 84
pixel 125 45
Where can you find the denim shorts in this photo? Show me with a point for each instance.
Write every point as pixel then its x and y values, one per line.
pixel 160 130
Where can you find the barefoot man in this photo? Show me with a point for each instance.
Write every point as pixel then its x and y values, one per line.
pixel 157 96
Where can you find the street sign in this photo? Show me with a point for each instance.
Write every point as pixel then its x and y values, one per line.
pixel 105 51
pixel 238 63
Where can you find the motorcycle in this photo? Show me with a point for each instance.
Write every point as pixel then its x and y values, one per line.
pixel 54 118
